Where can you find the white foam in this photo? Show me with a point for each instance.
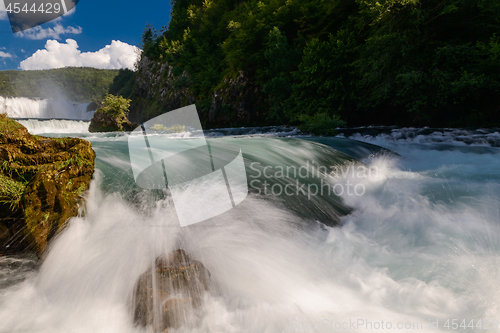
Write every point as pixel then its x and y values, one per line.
pixel 22 107
pixel 38 126
pixel 452 136
pixel 421 245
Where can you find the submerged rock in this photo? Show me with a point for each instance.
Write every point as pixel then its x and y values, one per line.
pixel 41 182
pixel 168 292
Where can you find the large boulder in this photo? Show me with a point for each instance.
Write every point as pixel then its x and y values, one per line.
pixel 105 122
pixel 41 185
pixel 167 293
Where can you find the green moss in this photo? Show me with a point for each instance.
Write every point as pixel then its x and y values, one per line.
pixel 81 188
pixel 8 126
pixel 11 191
pixel 77 160
pixel 41 178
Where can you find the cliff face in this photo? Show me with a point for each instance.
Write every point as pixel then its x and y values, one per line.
pixel 237 101
pixel 156 91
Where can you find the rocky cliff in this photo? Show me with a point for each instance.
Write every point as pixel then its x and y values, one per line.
pixel 236 102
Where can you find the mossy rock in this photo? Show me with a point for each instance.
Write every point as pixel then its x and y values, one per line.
pixel 41 183
pixel 104 122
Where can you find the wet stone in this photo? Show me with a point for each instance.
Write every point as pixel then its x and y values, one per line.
pixel 166 294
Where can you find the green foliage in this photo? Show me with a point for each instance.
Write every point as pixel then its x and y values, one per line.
pixel 404 62
pixel 11 191
pixel 171 129
pixel 122 83
pixel 322 82
pixel 320 123
pixel 283 60
pixel 158 127
pixel 176 128
pixel 116 106
pixel 77 84
pixel 181 82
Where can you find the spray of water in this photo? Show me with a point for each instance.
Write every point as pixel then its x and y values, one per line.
pixel 419 247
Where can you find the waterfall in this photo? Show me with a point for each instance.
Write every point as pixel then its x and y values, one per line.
pixel 41 126
pixel 23 107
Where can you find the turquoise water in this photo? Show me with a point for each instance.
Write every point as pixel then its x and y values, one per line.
pixel 416 246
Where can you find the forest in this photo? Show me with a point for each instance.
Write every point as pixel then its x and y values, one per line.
pixel 76 84
pixel 389 62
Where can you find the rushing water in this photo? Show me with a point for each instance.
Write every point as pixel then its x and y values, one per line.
pixel 23 107
pixel 51 126
pixel 419 243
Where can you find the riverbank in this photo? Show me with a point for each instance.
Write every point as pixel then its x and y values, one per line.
pixel 41 183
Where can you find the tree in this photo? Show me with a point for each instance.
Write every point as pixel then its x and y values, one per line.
pixel 116 106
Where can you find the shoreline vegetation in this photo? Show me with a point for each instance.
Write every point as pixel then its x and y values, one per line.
pixel 111 115
pixel 309 63
pixel 394 62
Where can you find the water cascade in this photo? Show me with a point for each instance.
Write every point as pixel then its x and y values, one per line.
pixel 417 245
pixel 22 107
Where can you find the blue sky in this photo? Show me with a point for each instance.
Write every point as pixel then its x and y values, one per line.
pixel 91 28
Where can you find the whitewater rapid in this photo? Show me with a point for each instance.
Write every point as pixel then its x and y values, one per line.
pixel 51 126
pixel 421 246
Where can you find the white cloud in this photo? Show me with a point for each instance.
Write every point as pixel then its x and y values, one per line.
pixel 5 55
pixel 40 33
pixel 3 12
pixel 57 55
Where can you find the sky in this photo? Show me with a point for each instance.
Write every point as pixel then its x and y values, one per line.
pixel 101 34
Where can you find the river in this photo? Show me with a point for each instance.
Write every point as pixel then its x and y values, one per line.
pixel 407 242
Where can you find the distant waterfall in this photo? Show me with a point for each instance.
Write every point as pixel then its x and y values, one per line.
pixel 22 107
pixel 40 126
